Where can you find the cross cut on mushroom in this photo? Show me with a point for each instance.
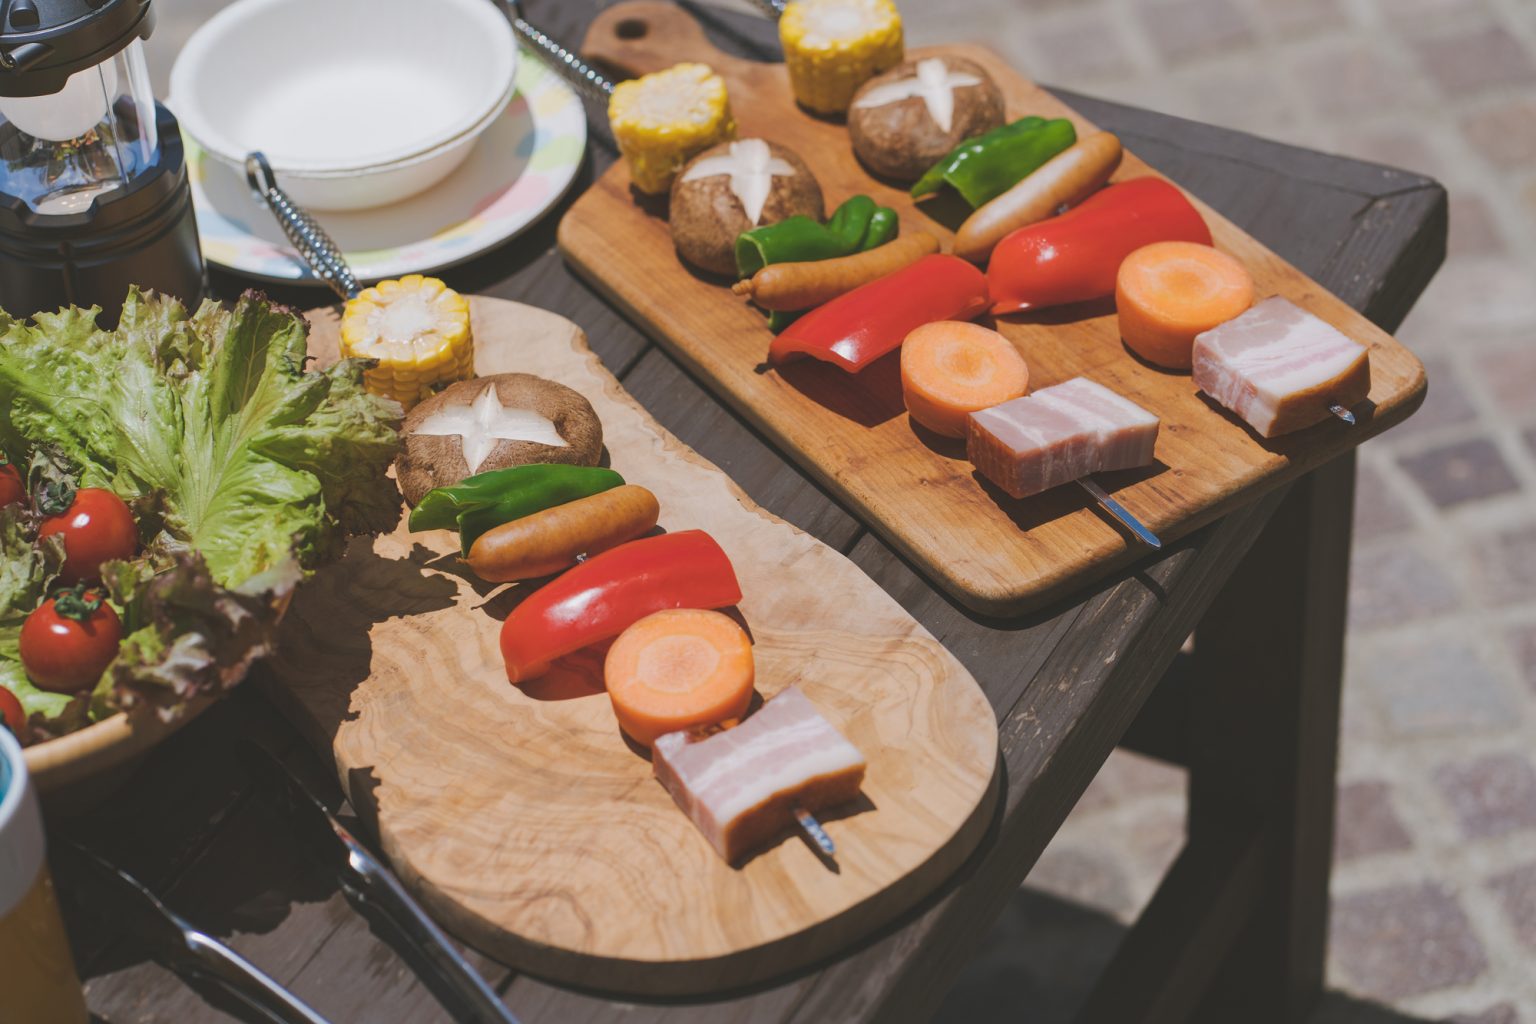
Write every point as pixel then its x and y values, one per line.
pixel 484 422
pixel 752 168
pixel 933 82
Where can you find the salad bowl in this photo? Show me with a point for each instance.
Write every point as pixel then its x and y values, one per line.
pixel 242 469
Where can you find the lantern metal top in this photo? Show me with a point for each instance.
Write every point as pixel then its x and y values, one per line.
pixel 43 42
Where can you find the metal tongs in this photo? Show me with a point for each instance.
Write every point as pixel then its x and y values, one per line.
pixel 375 892
pixel 370 887
pixel 195 956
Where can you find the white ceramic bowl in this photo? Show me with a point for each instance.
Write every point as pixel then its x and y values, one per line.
pixel 356 103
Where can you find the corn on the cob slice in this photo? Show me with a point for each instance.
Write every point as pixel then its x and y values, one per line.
pixel 834 46
pixel 663 119
pixel 418 330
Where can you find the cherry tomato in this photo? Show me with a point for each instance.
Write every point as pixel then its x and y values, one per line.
pixel 12 490
pixel 70 640
pixel 11 715
pixel 97 527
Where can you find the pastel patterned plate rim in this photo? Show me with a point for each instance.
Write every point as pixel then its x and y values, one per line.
pixel 520 167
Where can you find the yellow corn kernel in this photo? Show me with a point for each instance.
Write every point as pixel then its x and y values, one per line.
pixel 663 119
pixel 417 329
pixel 832 47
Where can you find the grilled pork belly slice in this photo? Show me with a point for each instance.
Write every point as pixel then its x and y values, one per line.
pixel 1279 368
pixel 740 786
pixel 1058 434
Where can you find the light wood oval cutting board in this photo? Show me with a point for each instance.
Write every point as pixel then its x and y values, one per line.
pixel 996 554
pixel 522 818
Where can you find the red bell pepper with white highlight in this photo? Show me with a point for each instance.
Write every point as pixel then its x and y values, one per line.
pixel 1075 256
pixel 605 595
pixel 855 329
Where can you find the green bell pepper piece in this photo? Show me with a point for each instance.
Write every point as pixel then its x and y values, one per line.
pixel 983 168
pixel 882 228
pixel 933 179
pixel 850 222
pixel 788 241
pixel 502 495
pixel 801 239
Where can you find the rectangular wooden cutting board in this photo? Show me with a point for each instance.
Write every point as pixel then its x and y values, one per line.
pixel 997 555
pixel 520 815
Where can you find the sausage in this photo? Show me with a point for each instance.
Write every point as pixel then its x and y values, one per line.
pixel 555 538
pixel 1067 178
pixel 787 287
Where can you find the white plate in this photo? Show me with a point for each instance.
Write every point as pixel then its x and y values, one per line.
pixel 520 167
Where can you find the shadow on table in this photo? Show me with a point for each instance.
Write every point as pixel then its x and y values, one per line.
pixel 256 886
pixel 1044 955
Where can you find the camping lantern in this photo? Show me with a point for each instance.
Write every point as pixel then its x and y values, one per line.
pixel 93 183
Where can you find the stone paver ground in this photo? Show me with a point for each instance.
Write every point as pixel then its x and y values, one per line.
pixel 1435 878
pixel 1434 883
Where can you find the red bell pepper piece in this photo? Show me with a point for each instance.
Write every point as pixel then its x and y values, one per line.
pixel 855 329
pixel 605 595
pixel 1074 257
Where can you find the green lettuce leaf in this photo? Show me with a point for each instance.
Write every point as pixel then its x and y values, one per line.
pixel 197 638
pixel 255 457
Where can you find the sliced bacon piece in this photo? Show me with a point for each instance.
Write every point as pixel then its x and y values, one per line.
pixel 1280 368
pixel 1058 434
pixel 740 786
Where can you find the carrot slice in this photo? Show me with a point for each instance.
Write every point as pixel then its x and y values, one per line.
pixel 1168 292
pixel 950 369
pixel 678 669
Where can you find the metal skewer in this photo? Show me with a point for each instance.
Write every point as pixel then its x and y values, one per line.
pixel 1342 413
pixel 1119 511
pixel 772 8
pixel 577 71
pixel 315 246
pixel 817 834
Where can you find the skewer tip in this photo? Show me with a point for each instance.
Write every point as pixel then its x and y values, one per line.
pixel 813 829
pixel 1342 413
pixel 1136 526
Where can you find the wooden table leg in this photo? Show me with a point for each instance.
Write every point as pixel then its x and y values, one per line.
pixel 1263 742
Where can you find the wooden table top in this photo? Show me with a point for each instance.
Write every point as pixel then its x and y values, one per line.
pixel 1065 682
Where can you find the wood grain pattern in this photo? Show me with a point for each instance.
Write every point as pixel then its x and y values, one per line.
pixel 522 817
pixel 997 555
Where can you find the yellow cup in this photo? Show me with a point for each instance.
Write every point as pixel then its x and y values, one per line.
pixel 38 984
